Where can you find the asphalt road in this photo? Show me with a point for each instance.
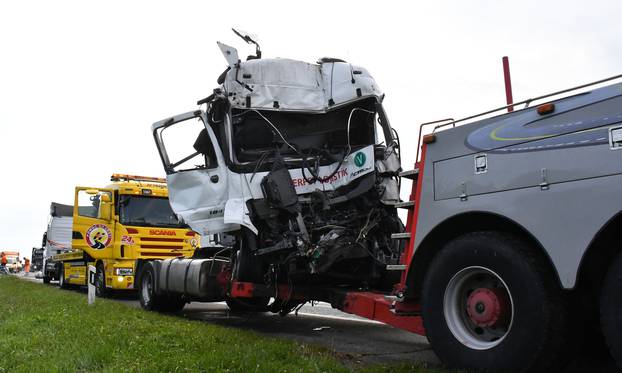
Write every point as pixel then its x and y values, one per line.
pixel 355 340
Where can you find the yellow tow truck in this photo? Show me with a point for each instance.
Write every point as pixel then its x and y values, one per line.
pixel 117 229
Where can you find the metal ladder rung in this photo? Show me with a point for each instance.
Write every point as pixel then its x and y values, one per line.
pixel 400 236
pixel 396 267
pixel 410 174
pixel 404 205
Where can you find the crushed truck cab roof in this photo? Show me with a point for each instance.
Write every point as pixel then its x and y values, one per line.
pixel 287 84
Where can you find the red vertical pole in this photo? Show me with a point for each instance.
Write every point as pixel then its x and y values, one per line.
pixel 508 83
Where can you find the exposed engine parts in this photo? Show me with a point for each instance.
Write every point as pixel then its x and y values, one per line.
pixel 340 236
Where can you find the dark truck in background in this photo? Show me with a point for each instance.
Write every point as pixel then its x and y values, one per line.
pixel 36 259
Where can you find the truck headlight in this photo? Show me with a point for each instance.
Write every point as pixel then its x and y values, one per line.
pixel 123 271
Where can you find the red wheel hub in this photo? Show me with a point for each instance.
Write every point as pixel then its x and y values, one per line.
pixel 487 307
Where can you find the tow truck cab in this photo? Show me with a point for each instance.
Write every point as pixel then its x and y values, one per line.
pixel 118 228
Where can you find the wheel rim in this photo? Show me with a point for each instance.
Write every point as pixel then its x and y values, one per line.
pixel 146 287
pixel 478 308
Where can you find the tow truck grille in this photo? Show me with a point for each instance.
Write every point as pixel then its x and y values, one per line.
pixel 161 246
pixel 158 239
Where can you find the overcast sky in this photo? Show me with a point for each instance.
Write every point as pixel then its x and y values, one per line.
pixel 81 82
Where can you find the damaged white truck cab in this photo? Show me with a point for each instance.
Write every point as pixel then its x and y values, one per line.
pixel 324 122
pixel 299 161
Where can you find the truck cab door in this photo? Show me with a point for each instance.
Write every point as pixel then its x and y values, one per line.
pixel 93 225
pixel 196 173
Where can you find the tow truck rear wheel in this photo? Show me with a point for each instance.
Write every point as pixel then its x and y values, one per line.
pixel 490 304
pixel 150 299
pixel 611 310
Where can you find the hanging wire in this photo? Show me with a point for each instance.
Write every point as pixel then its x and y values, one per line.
pixel 276 129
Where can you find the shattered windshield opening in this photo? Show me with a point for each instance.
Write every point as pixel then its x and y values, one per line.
pixel 325 137
pixel 147 212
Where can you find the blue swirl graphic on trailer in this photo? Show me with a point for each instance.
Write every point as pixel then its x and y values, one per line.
pixel 579 120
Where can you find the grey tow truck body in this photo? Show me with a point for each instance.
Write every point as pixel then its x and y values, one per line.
pixel 557 176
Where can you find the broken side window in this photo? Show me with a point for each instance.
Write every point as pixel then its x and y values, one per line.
pixel 189 146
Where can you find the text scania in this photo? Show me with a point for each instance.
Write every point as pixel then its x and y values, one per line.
pixel 162 232
pixel 339 175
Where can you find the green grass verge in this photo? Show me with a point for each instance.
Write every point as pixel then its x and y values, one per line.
pixel 47 329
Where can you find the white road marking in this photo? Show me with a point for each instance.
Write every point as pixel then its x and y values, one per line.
pixel 341 318
pixel 323 305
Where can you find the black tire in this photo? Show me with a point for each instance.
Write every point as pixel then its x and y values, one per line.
pixel 100 282
pixel 46 279
pixel 150 299
pixel 147 294
pixel 248 304
pixel 611 310
pixel 489 304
